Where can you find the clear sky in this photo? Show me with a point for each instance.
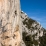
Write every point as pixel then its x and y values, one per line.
pixel 36 9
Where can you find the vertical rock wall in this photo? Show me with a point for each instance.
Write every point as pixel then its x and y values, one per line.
pixel 9 23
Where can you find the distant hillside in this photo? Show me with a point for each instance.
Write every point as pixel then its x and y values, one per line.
pixel 33 34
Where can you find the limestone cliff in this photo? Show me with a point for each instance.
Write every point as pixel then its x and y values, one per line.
pixel 33 34
pixel 17 29
pixel 9 23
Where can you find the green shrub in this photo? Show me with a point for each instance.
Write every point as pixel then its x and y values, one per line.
pixel 29 23
pixel 27 39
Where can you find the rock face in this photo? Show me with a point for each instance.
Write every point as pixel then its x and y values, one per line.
pixel 33 34
pixel 17 29
pixel 10 23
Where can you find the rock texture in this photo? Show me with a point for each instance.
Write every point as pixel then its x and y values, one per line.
pixel 17 29
pixel 33 34
pixel 10 23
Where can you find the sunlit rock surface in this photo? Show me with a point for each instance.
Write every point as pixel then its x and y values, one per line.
pixel 33 34
pixel 9 23
pixel 17 29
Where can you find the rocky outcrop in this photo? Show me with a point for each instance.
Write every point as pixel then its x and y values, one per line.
pixel 33 34
pixel 9 23
pixel 17 29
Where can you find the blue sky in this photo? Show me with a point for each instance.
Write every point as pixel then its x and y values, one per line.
pixel 36 9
